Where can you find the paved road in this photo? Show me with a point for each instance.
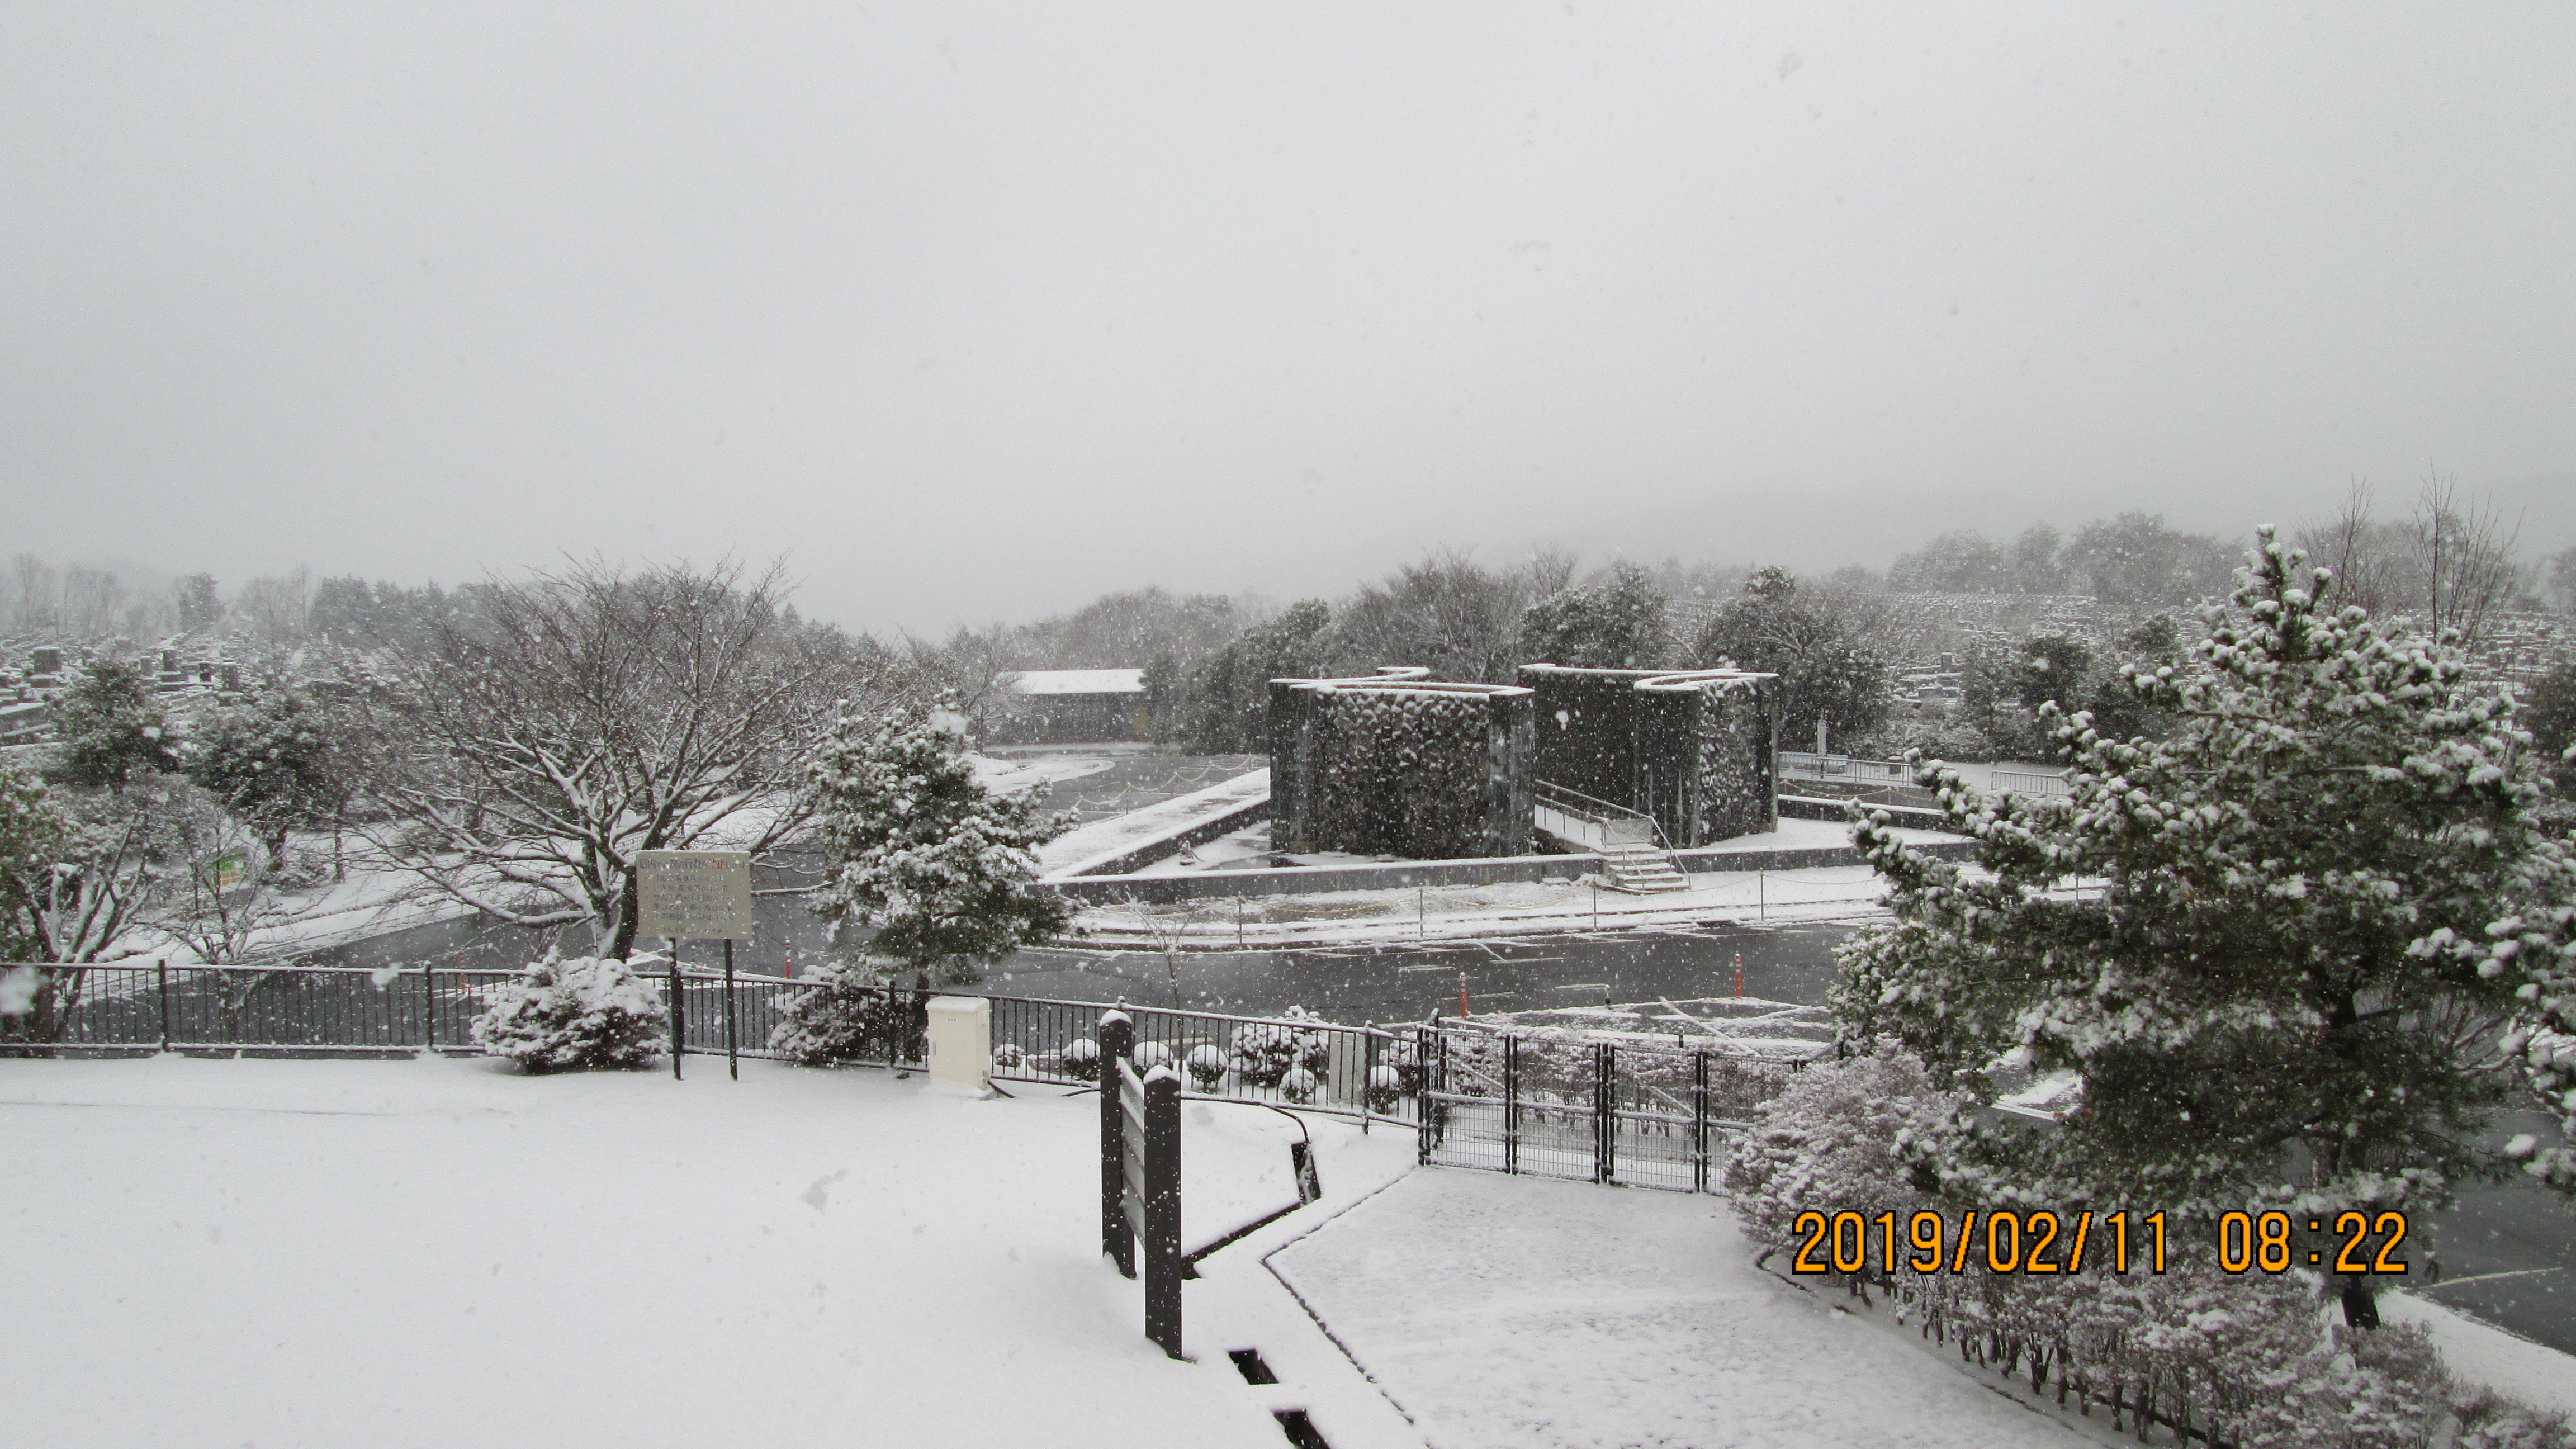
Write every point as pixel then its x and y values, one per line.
pixel 2508 1252
pixel 1409 983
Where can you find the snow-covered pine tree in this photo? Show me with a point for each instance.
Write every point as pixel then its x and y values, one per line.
pixel 920 851
pixel 2233 934
pixel 111 728
pixel 280 764
pixel 2532 950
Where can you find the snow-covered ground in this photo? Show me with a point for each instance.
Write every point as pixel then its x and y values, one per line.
pixel 1820 894
pixel 440 1254
pixel 1514 1311
pixel 2482 1353
pixel 1087 847
pixel 1573 902
pixel 1010 774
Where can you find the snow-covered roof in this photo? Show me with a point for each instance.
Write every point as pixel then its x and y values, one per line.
pixel 1079 681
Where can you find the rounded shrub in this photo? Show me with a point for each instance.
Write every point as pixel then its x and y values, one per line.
pixel 1206 1066
pixel 567 1015
pixel 843 1006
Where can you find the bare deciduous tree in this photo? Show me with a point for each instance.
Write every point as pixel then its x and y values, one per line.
pixel 276 610
pixel 2449 566
pixel 582 716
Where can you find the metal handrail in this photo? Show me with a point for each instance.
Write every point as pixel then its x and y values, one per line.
pixel 1581 801
pixel 1600 812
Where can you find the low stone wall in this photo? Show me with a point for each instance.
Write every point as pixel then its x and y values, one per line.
pixel 1406 874
pixel 1809 807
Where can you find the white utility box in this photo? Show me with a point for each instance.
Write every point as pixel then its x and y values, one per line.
pixel 961 1044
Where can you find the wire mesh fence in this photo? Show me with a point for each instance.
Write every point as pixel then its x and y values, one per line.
pixel 1558 1104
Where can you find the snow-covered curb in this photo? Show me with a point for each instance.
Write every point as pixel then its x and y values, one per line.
pixel 1097 846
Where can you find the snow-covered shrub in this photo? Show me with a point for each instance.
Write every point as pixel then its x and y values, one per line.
pixel 1009 1057
pixel 2491 1421
pixel 1206 1066
pixel 560 1015
pixel 1385 1088
pixel 1401 1055
pixel 1080 1059
pixel 844 1005
pixel 1149 1055
pixel 1264 1052
pixel 1835 1140
pixel 1300 1085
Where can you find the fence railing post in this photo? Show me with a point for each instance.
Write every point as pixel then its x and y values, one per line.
pixel 1162 1207
pixel 1511 1104
pixel 1699 1121
pixel 1605 1120
pixel 162 970
pixel 1117 1039
pixel 679 1019
pixel 1368 1071
pixel 1430 1052
pixel 429 1007
pixel 733 1052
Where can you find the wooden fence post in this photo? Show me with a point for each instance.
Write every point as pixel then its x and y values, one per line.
pixel 1117 1038
pixel 1163 1209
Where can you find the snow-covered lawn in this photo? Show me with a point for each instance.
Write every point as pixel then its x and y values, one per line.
pixel 440 1254
pixel 1513 1311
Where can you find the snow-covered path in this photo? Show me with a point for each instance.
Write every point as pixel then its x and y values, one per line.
pixel 1511 1311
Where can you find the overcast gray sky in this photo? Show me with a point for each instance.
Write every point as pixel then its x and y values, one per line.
pixel 977 311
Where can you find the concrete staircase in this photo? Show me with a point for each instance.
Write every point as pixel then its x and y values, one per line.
pixel 1642 870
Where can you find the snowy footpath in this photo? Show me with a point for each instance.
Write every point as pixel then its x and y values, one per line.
pixel 1547 1315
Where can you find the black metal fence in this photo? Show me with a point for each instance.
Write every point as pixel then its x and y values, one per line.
pixel 1368 1072
pixel 140 1006
pixel 1548 1103
pixel 1559 1104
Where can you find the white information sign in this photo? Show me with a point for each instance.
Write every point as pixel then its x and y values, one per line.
pixel 694 895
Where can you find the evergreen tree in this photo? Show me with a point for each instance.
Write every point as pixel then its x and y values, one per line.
pixel 937 864
pixel 2256 994
pixel 111 728
pixel 1231 688
pixel 1617 623
pixel 1824 673
pixel 281 764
